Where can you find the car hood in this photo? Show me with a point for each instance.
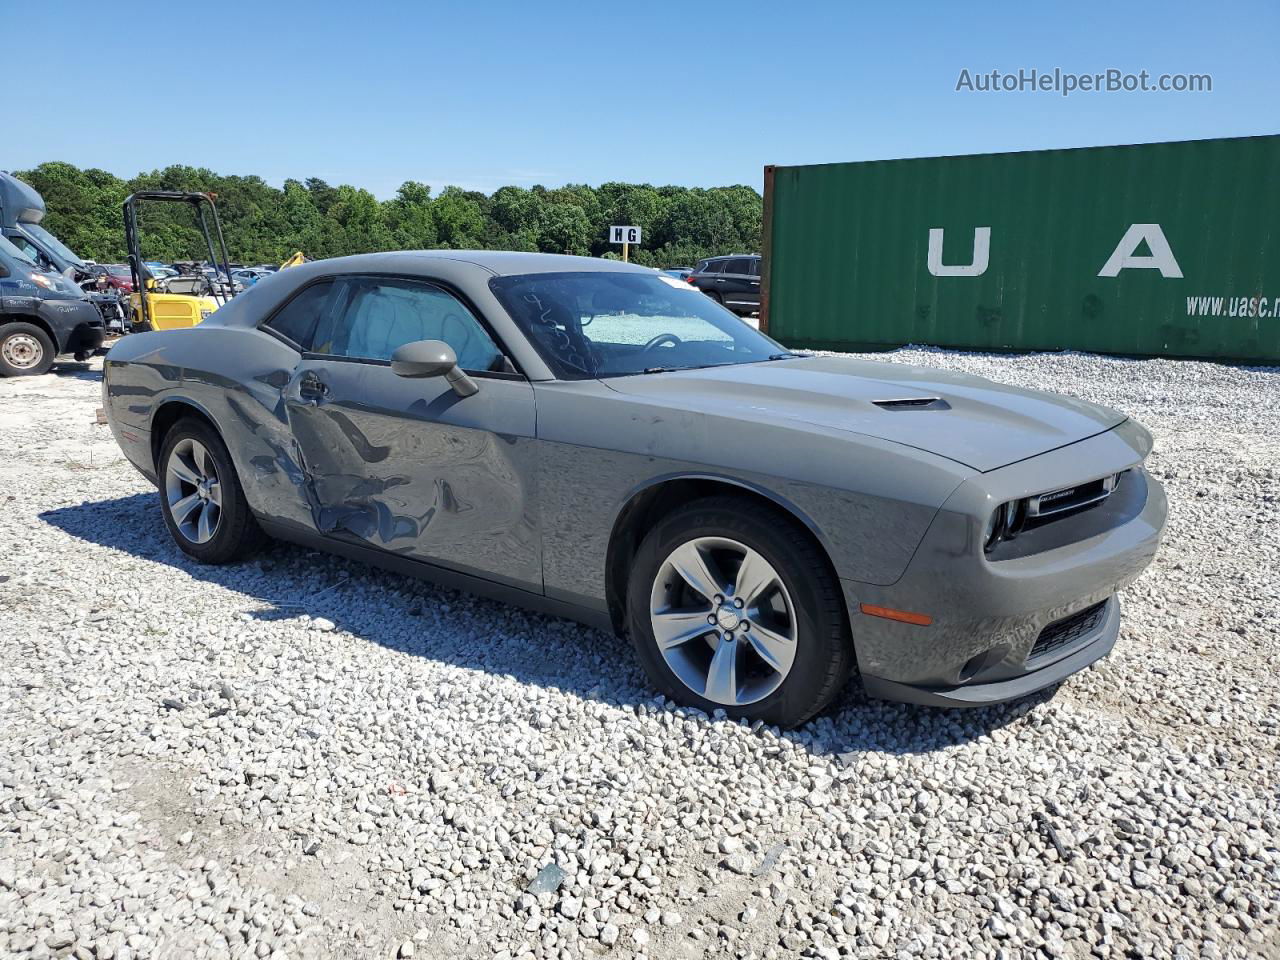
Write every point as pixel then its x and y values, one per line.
pixel 979 423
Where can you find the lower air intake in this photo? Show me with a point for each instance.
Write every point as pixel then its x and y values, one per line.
pixel 1062 632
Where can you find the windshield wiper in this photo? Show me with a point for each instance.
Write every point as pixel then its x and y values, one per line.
pixel 661 369
pixel 783 356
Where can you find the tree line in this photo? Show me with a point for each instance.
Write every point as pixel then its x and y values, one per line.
pixel 266 224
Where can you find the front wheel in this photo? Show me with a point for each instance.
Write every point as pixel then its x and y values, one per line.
pixel 25 350
pixel 731 606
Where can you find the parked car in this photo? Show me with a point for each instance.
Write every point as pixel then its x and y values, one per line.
pixel 248 276
pixel 159 270
pixel 42 315
pixel 733 281
pixel 218 279
pixel 593 439
pixel 105 277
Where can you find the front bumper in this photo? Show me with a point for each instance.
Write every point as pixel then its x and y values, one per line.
pixel 987 616
pixel 982 694
pixel 86 340
pixel 76 324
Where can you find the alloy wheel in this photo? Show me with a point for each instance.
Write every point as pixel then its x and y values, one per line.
pixel 723 621
pixel 193 491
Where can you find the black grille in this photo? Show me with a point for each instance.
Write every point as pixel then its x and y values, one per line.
pixel 1068 630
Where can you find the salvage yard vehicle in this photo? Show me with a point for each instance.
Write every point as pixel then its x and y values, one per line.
pixel 599 441
pixel 42 315
pixel 731 280
pixel 175 303
pixel 105 277
pixel 21 211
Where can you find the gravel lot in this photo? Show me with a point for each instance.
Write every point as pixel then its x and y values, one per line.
pixel 301 756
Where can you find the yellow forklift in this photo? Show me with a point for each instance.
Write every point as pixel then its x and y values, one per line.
pixel 181 301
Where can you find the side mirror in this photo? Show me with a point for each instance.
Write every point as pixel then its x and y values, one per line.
pixel 432 358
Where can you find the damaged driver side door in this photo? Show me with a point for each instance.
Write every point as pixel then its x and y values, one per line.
pixel 406 465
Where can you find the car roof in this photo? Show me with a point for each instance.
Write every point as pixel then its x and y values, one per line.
pixel 467 271
pixel 496 262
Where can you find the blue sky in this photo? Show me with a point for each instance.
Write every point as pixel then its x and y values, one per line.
pixel 486 94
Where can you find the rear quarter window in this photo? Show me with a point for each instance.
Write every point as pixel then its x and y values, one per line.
pixel 296 320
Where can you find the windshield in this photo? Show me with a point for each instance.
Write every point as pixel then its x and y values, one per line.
pixel 52 243
pixel 9 250
pixel 593 324
pixel 118 270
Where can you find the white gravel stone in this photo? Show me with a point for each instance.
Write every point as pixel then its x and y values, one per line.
pixel 191 764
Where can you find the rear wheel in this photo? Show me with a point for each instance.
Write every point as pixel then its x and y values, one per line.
pixel 200 495
pixel 732 607
pixel 25 350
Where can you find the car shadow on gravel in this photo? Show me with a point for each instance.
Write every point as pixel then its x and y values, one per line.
pixel 77 370
pixel 411 616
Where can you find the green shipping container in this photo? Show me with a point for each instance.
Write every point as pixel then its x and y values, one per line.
pixel 1165 249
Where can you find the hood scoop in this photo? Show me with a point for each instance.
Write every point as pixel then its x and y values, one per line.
pixel 913 403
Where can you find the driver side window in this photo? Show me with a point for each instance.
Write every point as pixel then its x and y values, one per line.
pixel 381 315
pixel 33 252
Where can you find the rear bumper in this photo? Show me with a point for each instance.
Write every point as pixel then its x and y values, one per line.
pixel 998 628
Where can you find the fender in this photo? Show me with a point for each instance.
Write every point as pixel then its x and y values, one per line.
pixel 24 306
pixel 27 310
pixel 72 323
pixel 177 401
pixel 785 504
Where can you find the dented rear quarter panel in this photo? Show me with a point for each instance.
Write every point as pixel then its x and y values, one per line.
pixel 144 372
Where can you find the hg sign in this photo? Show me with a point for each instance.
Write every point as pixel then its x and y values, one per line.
pixel 1124 257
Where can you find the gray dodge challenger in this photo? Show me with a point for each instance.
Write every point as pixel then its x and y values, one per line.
pixel 597 440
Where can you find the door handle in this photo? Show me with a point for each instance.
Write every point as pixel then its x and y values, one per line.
pixel 312 387
pixel 719 279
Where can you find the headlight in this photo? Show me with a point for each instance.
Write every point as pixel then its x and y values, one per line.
pixel 995 526
pixel 1006 520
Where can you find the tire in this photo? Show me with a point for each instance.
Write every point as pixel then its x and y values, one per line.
pixel 716 297
pixel 25 350
pixel 820 649
pixel 230 531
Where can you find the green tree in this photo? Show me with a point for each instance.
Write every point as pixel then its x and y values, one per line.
pixel 409 216
pixel 266 224
pixel 83 208
pixel 358 213
pixel 459 218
